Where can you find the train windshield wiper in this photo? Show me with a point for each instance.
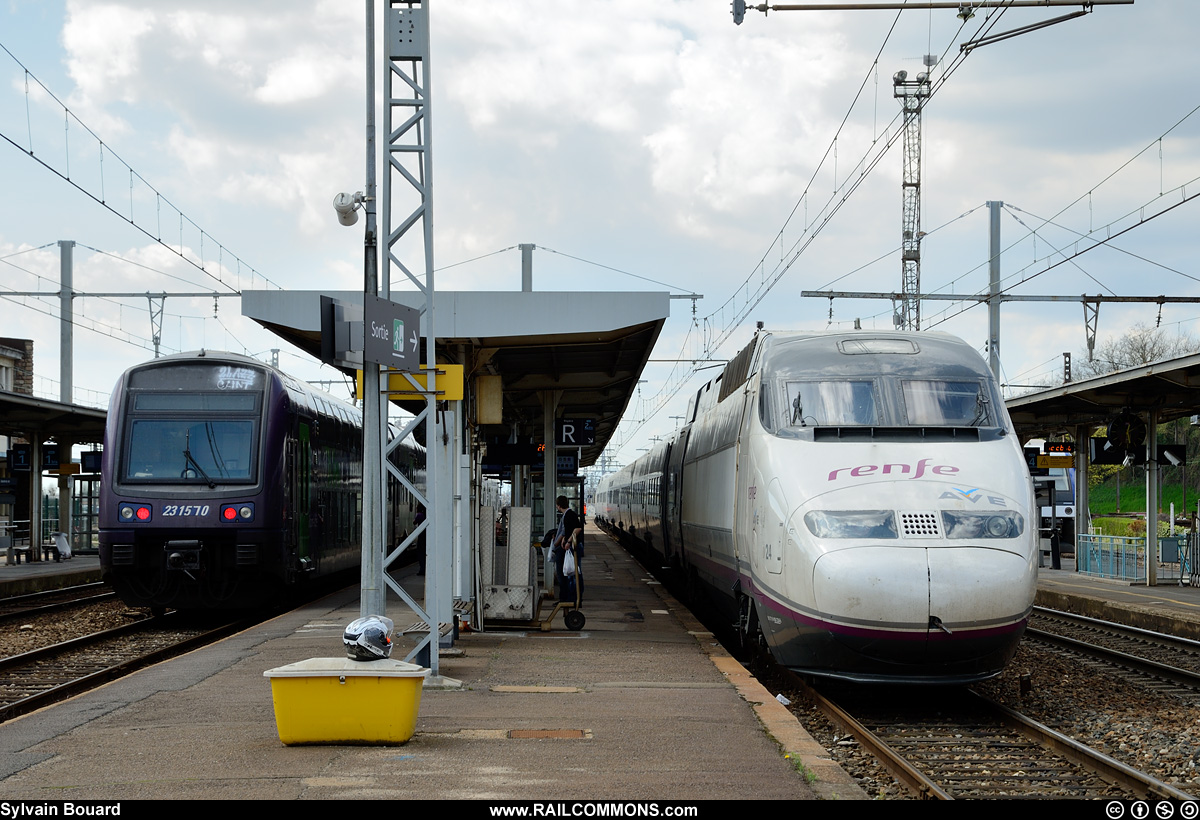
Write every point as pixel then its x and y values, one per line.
pixel 981 410
pixel 187 454
pixel 798 411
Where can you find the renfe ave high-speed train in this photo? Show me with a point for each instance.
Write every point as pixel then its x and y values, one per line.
pixel 226 482
pixel 859 501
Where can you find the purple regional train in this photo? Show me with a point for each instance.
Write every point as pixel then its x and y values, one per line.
pixel 227 482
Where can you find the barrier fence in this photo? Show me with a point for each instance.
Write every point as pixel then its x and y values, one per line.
pixel 1123 558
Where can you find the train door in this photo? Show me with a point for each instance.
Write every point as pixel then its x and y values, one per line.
pixel 753 532
pixel 661 501
pixel 298 456
pixel 304 494
pixel 673 527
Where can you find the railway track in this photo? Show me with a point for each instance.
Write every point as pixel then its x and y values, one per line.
pixel 56 600
pixel 1171 663
pixel 48 675
pixel 953 743
pixel 957 744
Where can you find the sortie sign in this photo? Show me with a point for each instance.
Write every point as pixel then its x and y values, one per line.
pixel 391 334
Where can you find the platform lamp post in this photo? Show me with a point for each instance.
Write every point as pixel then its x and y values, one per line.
pixel 373 598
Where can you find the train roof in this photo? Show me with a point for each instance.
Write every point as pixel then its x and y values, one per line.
pixel 896 352
pixel 202 355
pixel 300 391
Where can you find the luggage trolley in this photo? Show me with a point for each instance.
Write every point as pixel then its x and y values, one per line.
pixel 573 616
pixel 510 594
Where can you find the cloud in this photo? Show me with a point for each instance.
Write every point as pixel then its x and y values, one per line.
pixel 658 139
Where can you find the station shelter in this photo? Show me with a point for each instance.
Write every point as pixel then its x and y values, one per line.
pixel 1114 419
pixel 545 376
pixel 39 436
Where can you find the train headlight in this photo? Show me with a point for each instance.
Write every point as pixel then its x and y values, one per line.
pixel 132 512
pixel 237 512
pixel 852 523
pixel 999 524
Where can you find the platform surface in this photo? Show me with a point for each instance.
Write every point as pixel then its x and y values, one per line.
pixel 642 704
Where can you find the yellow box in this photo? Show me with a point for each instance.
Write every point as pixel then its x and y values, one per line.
pixel 448 381
pixel 344 701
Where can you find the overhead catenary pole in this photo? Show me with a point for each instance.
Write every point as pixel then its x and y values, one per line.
pixel 912 95
pixel 66 312
pixel 373 595
pixel 66 354
pixel 409 158
pixel 1152 490
pixel 526 267
pixel 994 287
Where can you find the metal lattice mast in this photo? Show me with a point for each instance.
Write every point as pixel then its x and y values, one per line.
pixel 408 227
pixel 912 95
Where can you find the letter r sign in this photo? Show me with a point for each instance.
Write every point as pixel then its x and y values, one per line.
pixel 574 432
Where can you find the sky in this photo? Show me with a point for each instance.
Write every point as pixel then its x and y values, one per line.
pixel 640 146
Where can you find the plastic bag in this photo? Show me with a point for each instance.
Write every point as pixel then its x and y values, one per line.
pixel 569 563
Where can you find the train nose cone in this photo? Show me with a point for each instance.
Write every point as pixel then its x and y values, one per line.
pixel 904 605
pixel 873 593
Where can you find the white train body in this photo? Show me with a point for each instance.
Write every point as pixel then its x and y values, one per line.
pixel 859 497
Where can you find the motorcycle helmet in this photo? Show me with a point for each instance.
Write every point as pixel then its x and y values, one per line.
pixel 369 638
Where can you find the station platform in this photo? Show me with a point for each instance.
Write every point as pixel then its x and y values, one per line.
pixel 39 576
pixel 642 704
pixel 1167 607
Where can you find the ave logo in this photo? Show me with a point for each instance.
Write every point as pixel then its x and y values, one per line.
pixel 975 496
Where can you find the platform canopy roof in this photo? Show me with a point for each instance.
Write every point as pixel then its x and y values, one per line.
pixel 1171 386
pixel 590 348
pixel 30 417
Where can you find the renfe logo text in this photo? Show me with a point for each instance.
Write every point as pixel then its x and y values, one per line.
pixel 919 470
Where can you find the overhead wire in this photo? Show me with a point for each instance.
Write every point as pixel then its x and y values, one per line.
pixel 1068 229
pixel 873 161
pixel 614 270
pixel 103 200
pixel 76 320
pixel 1100 243
pixel 864 166
pixel 946 315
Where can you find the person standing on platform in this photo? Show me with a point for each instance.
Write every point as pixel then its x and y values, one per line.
pixel 570 531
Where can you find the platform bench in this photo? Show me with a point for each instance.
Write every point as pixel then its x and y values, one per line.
pixel 14 555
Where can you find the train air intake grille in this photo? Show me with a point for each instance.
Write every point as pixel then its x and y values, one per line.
pixel 919 525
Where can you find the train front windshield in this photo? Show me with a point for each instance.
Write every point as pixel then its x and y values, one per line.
pixel 191 437
pixel 806 388
pixel 874 403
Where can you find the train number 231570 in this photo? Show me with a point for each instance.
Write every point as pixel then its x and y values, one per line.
pixel 185 509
